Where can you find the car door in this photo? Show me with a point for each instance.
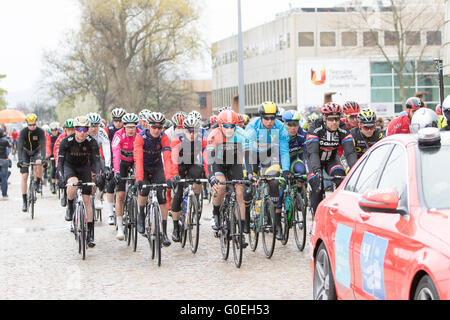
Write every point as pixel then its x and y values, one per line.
pixel 377 239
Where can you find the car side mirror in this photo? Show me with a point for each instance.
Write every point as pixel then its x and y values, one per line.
pixel 380 200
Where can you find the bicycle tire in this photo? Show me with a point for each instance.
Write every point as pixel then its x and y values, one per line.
pixel 157 240
pixel 285 222
pixel 149 231
pixel 194 224
pixel 75 225
pixel 236 234
pixel 183 225
pixel 299 219
pixel 133 219
pixel 268 227
pixel 254 226
pixel 32 198
pixel 83 231
pixel 224 233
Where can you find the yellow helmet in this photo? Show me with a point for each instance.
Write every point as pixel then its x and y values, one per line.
pixel 31 117
pixel 268 107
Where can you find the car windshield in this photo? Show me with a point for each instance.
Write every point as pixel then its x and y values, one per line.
pixel 435 180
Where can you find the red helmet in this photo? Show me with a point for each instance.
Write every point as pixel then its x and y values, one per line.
pixel 414 103
pixel 439 110
pixel 213 119
pixel 228 117
pixel 351 108
pixel 331 108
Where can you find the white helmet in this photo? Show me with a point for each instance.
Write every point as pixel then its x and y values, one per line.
pixel 195 114
pixel 178 118
pixel 54 125
pixel 191 121
pixel 423 118
pixel 156 117
pixel 118 113
pixel 81 121
pixel 143 115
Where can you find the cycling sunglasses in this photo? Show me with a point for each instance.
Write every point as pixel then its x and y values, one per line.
pixel 229 126
pixel 82 129
pixel 190 130
pixel 292 123
pixel 269 118
pixel 32 124
pixel 156 126
pixel 369 127
pixel 333 119
pixel 132 126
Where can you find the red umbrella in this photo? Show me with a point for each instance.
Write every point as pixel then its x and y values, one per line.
pixel 11 116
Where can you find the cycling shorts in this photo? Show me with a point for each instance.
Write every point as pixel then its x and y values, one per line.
pixel 82 173
pixel 124 166
pixel 155 175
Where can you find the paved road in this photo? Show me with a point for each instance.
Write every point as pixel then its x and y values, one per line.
pixel 38 260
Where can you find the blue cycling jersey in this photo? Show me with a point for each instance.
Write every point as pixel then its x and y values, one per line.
pixel 297 146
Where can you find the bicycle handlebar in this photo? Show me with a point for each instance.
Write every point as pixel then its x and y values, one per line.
pixel 332 178
pixel 81 184
pixel 154 186
pixel 235 182
pixel 192 180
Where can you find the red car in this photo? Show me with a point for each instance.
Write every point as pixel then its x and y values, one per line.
pixel 385 232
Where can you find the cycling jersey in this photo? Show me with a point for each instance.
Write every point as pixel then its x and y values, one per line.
pixel 50 144
pixel 147 153
pixel 104 146
pixel 271 146
pixel 297 147
pixel 30 143
pixel 122 148
pixel 442 122
pixel 399 125
pixel 322 145
pixel 111 131
pixel 362 143
pixel 349 127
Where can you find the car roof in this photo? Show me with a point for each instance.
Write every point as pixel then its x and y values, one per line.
pixel 410 138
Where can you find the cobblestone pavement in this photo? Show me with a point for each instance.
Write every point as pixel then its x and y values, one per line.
pixel 39 260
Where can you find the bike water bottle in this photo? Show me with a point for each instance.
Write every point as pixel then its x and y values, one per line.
pixel 185 201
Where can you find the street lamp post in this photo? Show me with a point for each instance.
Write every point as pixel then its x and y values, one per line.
pixel 240 63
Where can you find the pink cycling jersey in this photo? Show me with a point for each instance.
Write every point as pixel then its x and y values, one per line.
pixel 399 125
pixel 122 148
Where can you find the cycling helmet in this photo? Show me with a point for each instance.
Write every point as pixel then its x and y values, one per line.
pixel 268 107
pixel 331 108
pixel 280 113
pixel 178 119
pixel 94 118
pixel 144 114
pixel 54 126
pixel 312 117
pixel 130 118
pixel 423 118
pixel 46 128
pixel 414 103
pixel 31 117
pixel 228 117
pixel 168 124
pixel 156 117
pixel 351 108
pixel 196 114
pixel 213 119
pixel 68 123
pixel 246 119
pixel 118 113
pixel 224 108
pixel 81 121
pixel 366 117
pixel 439 110
pixel 103 123
pixel 291 115
pixel 191 121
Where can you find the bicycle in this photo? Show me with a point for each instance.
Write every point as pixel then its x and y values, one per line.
pixel 189 221
pixel 230 223
pixel 262 217
pixel 32 190
pixel 293 212
pixel 153 222
pixel 130 210
pixel 79 219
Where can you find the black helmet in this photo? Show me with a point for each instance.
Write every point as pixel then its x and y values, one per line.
pixel 414 103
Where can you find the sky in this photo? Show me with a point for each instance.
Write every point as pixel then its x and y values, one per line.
pixel 29 27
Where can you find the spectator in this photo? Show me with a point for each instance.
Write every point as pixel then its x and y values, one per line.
pixel 380 123
pixel 4 163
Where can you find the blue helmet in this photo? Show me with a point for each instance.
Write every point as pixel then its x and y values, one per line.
pixel 291 115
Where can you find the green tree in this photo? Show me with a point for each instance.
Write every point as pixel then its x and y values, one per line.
pixel 3 92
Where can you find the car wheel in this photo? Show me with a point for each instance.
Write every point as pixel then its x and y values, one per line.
pixel 426 290
pixel 323 282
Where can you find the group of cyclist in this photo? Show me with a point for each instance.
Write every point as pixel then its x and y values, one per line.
pixel 227 147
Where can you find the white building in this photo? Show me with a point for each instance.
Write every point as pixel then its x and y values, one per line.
pixel 305 52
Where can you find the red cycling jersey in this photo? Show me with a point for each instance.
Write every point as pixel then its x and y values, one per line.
pixel 399 125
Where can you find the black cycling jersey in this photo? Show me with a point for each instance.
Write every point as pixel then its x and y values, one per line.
pixel 4 145
pixel 77 154
pixel 322 145
pixel 31 142
pixel 362 143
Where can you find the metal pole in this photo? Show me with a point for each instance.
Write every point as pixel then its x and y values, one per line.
pixel 440 69
pixel 240 63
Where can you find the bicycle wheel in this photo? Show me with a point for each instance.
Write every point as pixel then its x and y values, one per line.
pixel 32 198
pixel 224 232
pixel 150 230
pixel 299 220
pixel 183 223
pixel 157 236
pixel 268 229
pixel 236 234
pixel 83 227
pixel 75 220
pixel 286 208
pixel 133 222
pixel 194 224
pixel 254 225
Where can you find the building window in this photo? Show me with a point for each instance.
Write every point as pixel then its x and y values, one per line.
pixel 370 38
pixel 328 39
pixel 391 38
pixel 349 39
pixel 413 38
pixel 434 38
pixel 306 39
pixel 202 100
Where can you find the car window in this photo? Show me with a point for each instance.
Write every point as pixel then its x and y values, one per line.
pixel 354 178
pixel 395 173
pixel 374 163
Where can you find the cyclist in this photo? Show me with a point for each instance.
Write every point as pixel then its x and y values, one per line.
pixel 424 118
pixel 323 139
pixel 402 123
pixel 177 128
pixel 446 113
pixel 225 157
pixel 270 139
pixel 68 130
pixel 100 135
pixel 442 121
pixel 213 121
pixel 366 134
pixel 122 149
pixel 152 160
pixel 111 130
pixel 311 118
pixel 143 119
pixel 351 111
pixel 187 159
pixel 78 156
pixel 50 145
pixel 30 145
pixel 246 120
